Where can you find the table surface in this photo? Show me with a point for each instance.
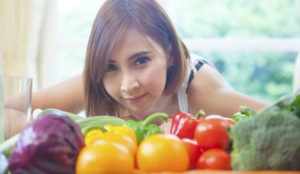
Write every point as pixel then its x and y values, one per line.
pixel 224 172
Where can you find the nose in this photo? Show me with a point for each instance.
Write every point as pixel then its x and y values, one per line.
pixel 129 84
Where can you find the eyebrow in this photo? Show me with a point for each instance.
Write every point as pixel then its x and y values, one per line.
pixel 139 54
pixel 135 55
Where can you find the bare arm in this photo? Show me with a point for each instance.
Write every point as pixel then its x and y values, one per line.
pixel 210 92
pixel 68 96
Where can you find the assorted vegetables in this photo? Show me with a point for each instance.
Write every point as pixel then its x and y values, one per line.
pixel 96 131
pixel 62 142
pixel 210 143
pixel 85 124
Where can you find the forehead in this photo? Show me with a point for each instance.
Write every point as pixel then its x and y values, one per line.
pixel 134 41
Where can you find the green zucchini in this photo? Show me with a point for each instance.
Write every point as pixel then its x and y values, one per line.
pixel 98 122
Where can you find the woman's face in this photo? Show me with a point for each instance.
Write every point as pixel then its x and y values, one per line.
pixel 136 73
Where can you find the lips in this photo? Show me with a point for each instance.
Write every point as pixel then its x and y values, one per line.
pixel 135 100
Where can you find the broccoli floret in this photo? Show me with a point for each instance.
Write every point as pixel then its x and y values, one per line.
pixel 267 141
pixel 245 112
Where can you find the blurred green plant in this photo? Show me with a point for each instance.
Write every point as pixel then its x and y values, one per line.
pixel 237 19
pixel 265 75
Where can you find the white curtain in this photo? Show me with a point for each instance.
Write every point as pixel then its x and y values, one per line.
pixel 25 36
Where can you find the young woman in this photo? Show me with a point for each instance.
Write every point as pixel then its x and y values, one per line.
pixel 137 65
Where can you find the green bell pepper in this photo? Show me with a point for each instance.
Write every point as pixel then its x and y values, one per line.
pixel 146 127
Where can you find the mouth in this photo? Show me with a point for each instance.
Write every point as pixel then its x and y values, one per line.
pixel 135 100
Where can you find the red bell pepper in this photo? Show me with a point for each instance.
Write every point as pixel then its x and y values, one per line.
pixel 184 124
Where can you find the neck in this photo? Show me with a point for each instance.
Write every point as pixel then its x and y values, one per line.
pixel 167 104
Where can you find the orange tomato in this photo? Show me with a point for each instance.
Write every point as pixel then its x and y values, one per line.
pixel 104 158
pixel 162 152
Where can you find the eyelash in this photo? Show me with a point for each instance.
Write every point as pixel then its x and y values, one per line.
pixel 111 67
pixel 140 61
pixel 144 60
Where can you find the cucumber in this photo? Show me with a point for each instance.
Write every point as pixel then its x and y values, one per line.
pixel 7 146
pixel 98 122
pixel 3 164
pixel 72 116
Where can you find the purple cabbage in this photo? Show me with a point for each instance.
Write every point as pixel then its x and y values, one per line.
pixel 49 145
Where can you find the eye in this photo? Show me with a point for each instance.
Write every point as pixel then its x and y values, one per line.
pixel 111 67
pixel 141 60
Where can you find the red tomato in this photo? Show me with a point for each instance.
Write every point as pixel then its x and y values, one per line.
pixel 230 121
pixel 212 133
pixel 194 151
pixel 216 159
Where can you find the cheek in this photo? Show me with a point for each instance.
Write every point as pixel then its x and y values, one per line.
pixel 155 80
pixel 111 87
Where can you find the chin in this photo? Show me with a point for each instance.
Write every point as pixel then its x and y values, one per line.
pixel 139 115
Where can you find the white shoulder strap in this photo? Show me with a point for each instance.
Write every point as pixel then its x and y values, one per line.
pixel 181 94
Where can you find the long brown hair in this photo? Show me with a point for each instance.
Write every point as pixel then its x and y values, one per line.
pixel 112 21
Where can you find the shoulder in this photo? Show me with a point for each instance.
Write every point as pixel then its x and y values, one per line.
pixel 206 75
pixel 195 59
pixel 194 64
pixel 210 91
pixel 205 84
pixel 207 78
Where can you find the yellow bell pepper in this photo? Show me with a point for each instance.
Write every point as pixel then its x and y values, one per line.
pixel 103 158
pixel 124 130
pixel 116 134
pixel 92 135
